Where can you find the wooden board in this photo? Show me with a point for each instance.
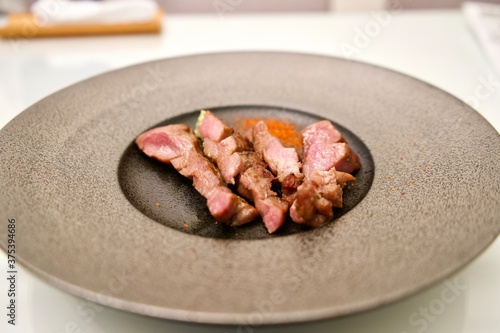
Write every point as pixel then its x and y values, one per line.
pixel 25 25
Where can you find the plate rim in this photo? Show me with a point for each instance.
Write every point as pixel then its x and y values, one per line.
pixel 225 318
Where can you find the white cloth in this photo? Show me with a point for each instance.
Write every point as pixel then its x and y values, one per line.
pixel 52 12
pixel 484 19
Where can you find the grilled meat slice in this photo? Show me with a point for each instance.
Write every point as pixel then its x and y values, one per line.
pixel 325 148
pixel 211 127
pixel 255 183
pixel 324 151
pixel 317 195
pixel 282 161
pixel 233 155
pixel 177 145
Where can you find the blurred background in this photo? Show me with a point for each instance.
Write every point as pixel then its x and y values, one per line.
pixel 207 6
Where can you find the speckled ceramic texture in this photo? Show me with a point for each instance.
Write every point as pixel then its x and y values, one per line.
pixel 432 207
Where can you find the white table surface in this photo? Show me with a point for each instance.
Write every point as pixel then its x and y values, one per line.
pixel 435 46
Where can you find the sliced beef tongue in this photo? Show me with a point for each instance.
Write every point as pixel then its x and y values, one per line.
pixel 211 127
pixel 178 145
pixel 233 155
pixel 324 154
pixel 283 162
pixel 317 195
pixel 310 207
pixel 255 184
pixel 324 148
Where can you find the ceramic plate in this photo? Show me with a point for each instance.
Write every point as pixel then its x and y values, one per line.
pixel 98 219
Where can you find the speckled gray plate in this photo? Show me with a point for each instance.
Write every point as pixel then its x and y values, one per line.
pixel 431 208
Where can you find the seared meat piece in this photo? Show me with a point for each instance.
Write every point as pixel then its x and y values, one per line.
pixel 324 148
pixel 211 127
pixel 283 162
pixel 177 145
pixel 323 183
pixel 255 184
pixel 317 195
pixel 309 207
pixel 239 165
pixel 235 152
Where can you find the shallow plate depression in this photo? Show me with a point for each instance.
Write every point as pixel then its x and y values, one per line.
pixel 161 193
